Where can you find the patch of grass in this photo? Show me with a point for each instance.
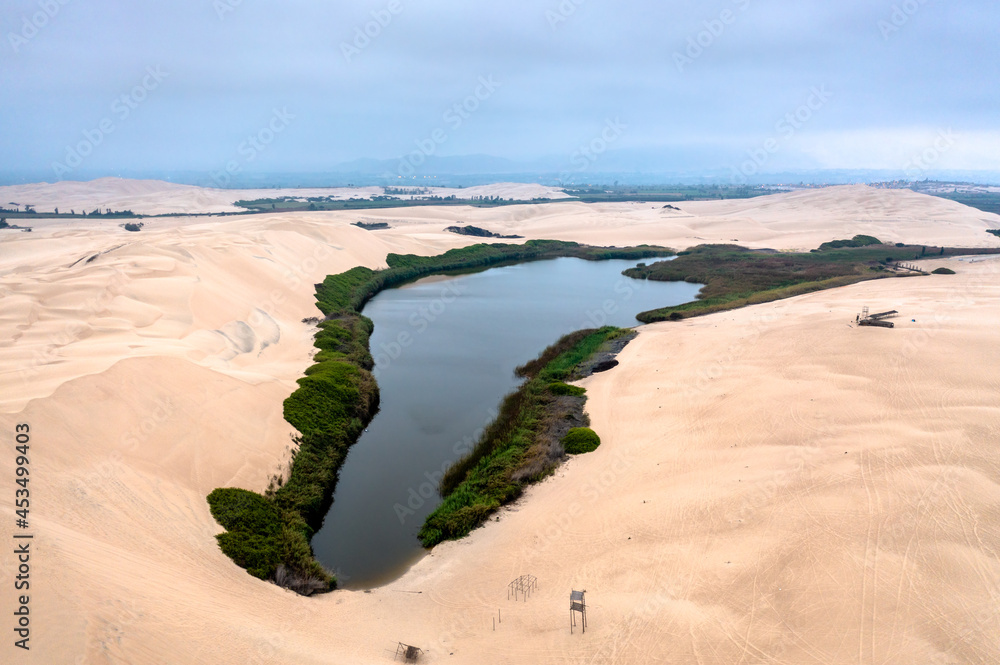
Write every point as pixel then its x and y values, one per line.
pixel 663 193
pixel 331 397
pixel 253 524
pixel 341 292
pixel 943 271
pixel 260 555
pixel 470 230
pixel 856 241
pixel 242 510
pixel 985 201
pixel 563 365
pixel 345 338
pixel 581 440
pixel 492 474
pixel 560 388
pixel 735 276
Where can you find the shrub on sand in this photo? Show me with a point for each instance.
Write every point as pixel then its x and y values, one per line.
pixel 581 440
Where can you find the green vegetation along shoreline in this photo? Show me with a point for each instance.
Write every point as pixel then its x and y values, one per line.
pixel 269 534
pixel 537 424
pixel 735 276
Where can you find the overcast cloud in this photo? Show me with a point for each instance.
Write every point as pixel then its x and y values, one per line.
pixel 809 84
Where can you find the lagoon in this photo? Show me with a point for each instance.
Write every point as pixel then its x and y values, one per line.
pixel 445 351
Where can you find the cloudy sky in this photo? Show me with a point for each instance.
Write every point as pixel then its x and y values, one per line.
pixel 96 85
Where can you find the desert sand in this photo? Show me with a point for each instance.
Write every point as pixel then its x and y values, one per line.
pixel 155 197
pixel 775 485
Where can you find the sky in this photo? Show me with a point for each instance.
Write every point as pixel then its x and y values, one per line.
pixel 94 86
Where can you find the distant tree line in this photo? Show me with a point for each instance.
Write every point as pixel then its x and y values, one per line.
pixel 403 191
pixel 108 212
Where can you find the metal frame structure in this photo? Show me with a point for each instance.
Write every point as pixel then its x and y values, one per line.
pixel 523 586
pixel 877 320
pixel 578 603
pixel 408 652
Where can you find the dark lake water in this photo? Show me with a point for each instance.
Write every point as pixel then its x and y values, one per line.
pixel 445 352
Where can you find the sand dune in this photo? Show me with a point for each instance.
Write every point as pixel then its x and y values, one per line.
pixel 155 197
pixel 775 485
